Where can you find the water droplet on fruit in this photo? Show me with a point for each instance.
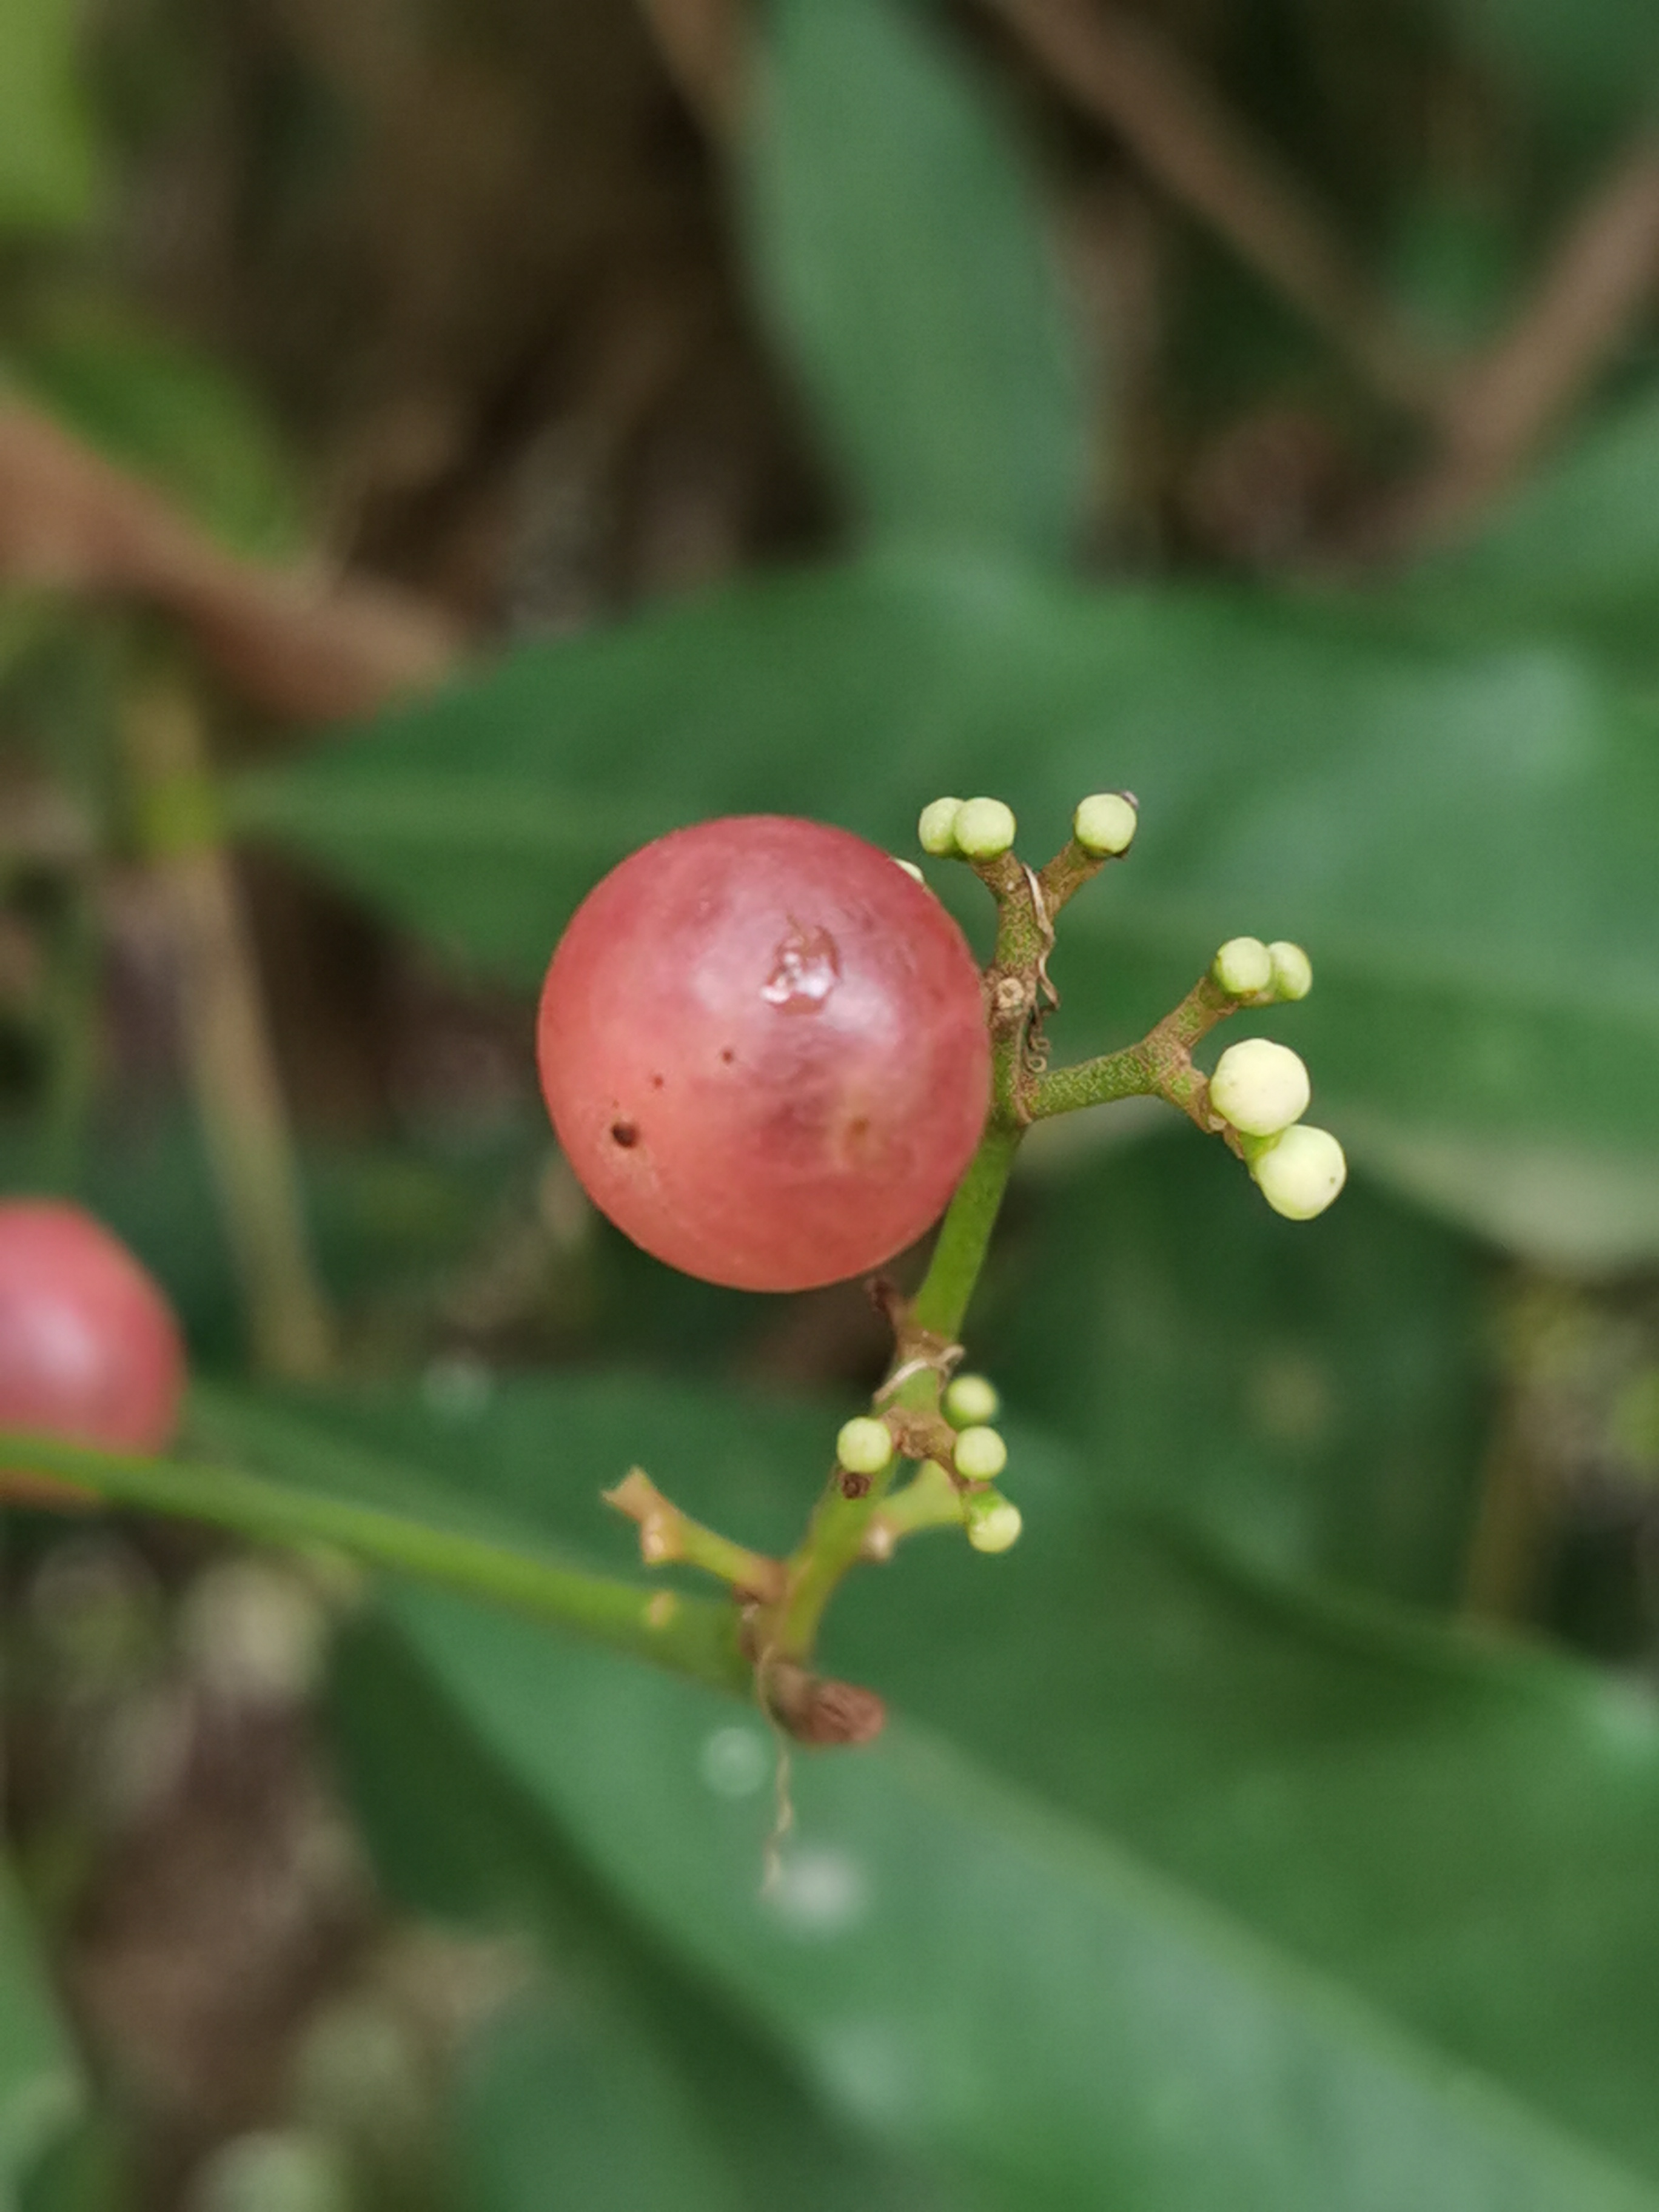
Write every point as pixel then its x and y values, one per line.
pixel 807 968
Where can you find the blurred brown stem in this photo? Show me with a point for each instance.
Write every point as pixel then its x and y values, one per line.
pixel 226 1043
pixel 699 42
pixel 294 642
pixel 1504 400
pixel 1490 413
pixel 1493 411
pixel 1127 74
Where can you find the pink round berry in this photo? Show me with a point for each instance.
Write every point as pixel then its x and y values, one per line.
pixel 763 1051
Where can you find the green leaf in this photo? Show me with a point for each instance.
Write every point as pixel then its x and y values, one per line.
pixel 563 2111
pixel 40 2083
pixel 170 413
pixel 1451 265
pixel 1319 1398
pixel 87 2170
pixel 1573 551
pixel 619 2080
pixel 899 252
pixel 980 1979
pixel 1460 837
pixel 49 165
pixel 1225 1895
pixel 1567 1211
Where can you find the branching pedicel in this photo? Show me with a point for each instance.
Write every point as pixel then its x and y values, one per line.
pixel 795 1129
pixel 927 1456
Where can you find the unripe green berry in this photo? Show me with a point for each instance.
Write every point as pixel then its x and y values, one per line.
pixel 911 869
pixel 1105 825
pixel 1259 1087
pixel 984 828
pixel 1242 967
pixel 864 1446
pixel 993 1523
pixel 1292 971
pixel 980 1454
pixel 1301 1172
pixel 936 832
pixel 971 1398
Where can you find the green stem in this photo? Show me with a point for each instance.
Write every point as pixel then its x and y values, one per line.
pixel 929 1500
pixel 1159 1067
pixel 836 1536
pixel 840 1532
pixel 667 1534
pixel 1126 1075
pixel 835 1542
pixel 691 1636
pixel 964 1238
pixel 1024 935
pixel 834 1539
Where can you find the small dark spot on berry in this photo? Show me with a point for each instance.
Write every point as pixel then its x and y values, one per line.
pixel 625 1133
pixel 855 1485
pixel 727 1055
pixel 656 1083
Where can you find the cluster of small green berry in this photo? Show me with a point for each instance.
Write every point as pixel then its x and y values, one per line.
pixel 958 1461
pixel 1260 1090
pixel 1104 824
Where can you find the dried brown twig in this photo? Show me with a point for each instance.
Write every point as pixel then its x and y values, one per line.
pixel 1488 415
pixel 294 644
pixel 225 1029
pixel 1128 76
pixel 297 643
pixel 1505 399
pixel 1131 78
pixel 700 42
pixel 1491 412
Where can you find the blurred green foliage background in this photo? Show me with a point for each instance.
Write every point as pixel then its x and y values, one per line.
pixel 442 446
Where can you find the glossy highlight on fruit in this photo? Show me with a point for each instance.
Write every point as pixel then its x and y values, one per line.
pixel 89 1346
pixel 763 1051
